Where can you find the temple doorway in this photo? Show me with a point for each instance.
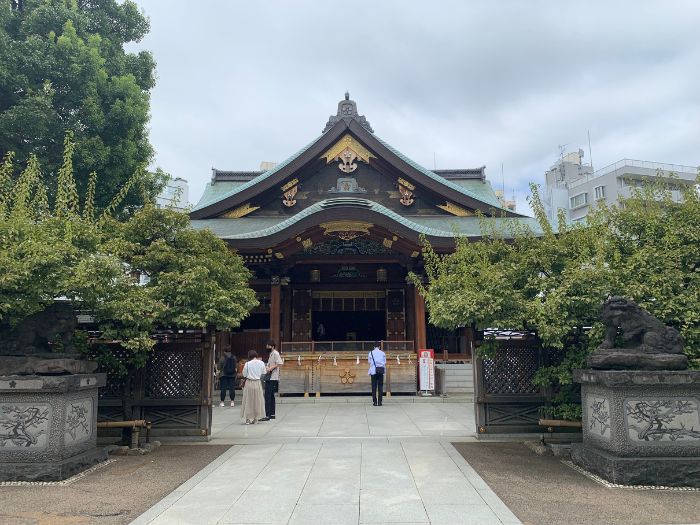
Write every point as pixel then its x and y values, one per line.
pixel 348 326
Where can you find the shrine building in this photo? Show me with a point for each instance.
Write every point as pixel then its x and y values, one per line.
pixel 330 235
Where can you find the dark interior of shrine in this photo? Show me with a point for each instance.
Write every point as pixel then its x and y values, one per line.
pixel 349 326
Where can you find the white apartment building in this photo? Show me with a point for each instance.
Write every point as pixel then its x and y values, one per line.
pixel 176 195
pixel 576 188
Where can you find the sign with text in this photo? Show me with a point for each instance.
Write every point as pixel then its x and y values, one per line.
pixel 426 369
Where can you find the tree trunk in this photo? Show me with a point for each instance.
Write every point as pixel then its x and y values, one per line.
pixel 127 403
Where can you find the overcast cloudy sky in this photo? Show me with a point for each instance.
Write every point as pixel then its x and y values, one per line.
pixel 465 83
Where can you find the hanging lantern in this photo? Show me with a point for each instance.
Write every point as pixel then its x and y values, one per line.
pixel 315 276
pixel 381 275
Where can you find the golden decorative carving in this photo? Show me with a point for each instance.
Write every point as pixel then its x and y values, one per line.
pixel 404 182
pixel 452 208
pixel 347 376
pixel 290 190
pixel 239 212
pixel 347 236
pixel 415 254
pixel 394 238
pixel 387 243
pixel 290 184
pixel 298 239
pixel 347 150
pixel 307 243
pixel 279 255
pixel 346 230
pixel 406 191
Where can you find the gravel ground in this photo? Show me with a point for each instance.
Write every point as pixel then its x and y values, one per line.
pixel 115 494
pixel 541 490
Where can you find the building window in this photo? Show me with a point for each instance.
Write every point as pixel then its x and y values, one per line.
pixel 579 200
pixel 632 183
pixel 599 192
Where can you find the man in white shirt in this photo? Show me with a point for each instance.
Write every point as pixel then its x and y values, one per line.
pixel 377 365
pixel 272 384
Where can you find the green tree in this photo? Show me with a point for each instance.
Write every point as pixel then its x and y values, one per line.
pixel 60 247
pixel 63 68
pixel 645 247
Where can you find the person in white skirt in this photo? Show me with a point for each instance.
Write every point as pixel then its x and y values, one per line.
pixel 253 406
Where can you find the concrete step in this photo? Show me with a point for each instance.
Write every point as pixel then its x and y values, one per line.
pixel 459 378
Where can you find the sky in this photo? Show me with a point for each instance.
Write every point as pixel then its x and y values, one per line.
pixel 451 84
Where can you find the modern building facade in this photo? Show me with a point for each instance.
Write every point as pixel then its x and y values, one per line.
pixel 175 195
pixel 575 188
pixel 330 235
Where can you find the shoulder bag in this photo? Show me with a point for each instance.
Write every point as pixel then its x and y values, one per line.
pixel 377 369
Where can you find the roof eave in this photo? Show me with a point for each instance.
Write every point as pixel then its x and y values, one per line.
pixel 443 189
pixel 315 151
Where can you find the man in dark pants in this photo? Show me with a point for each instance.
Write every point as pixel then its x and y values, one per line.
pixel 272 384
pixel 228 365
pixel 377 366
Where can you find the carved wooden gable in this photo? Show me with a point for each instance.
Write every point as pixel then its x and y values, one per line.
pixel 348 168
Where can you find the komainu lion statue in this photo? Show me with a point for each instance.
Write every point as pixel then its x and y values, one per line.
pixel 647 343
pixel 639 328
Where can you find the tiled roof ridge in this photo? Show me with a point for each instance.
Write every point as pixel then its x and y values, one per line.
pixel 436 177
pixel 218 175
pixel 462 173
pixel 262 176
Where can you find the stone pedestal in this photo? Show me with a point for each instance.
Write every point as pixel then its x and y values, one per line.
pixel 640 427
pixel 48 426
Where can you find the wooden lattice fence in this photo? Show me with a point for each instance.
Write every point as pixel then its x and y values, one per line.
pixel 506 399
pixel 173 391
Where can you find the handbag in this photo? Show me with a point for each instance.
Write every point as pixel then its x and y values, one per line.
pixel 377 369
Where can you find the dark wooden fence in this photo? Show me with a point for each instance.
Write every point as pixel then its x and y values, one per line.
pixel 173 391
pixel 506 400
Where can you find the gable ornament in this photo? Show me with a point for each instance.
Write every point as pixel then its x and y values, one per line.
pixel 347 151
pixel 406 191
pixel 346 230
pixel 454 209
pixel 289 191
pixel 239 212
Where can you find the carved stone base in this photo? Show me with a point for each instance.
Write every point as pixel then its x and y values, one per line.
pixel 52 470
pixel 664 471
pixel 48 426
pixel 641 427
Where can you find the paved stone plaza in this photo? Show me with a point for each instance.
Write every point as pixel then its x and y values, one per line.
pixel 350 417
pixel 339 462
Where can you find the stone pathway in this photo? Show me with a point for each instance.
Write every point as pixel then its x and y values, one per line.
pixel 358 419
pixel 338 463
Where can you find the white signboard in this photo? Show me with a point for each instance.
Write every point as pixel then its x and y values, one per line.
pixel 426 370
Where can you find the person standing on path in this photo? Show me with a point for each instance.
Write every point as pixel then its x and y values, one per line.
pixel 253 405
pixel 272 384
pixel 228 365
pixel 377 366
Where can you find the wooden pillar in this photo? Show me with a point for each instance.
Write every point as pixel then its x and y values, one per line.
pixel 287 316
pixel 275 300
pixel 419 319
